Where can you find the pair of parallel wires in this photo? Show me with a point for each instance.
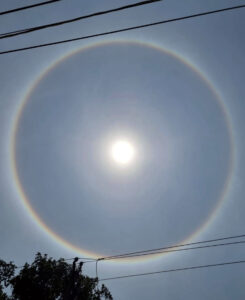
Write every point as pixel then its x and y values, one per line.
pixel 175 248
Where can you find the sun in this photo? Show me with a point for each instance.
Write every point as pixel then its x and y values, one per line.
pixel 122 152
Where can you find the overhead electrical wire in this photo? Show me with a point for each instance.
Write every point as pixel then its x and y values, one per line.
pixel 122 30
pixel 172 250
pixel 163 250
pixel 55 24
pixel 27 7
pixel 175 270
pixel 168 248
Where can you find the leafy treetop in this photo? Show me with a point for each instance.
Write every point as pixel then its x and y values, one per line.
pixel 49 279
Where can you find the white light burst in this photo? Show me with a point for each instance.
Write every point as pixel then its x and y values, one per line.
pixel 122 152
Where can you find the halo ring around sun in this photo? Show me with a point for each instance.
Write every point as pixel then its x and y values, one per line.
pixel 14 129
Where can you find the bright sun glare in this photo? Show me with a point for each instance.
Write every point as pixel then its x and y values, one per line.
pixel 122 152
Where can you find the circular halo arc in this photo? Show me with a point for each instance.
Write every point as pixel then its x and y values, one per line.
pixel 14 129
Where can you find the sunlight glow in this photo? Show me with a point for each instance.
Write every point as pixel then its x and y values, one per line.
pixel 122 152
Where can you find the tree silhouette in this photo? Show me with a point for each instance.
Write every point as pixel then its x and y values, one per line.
pixel 6 273
pixel 49 279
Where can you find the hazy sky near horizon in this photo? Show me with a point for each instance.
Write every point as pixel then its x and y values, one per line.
pixel 176 93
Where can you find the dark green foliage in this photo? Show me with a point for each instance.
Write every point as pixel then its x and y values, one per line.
pixel 6 273
pixel 50 279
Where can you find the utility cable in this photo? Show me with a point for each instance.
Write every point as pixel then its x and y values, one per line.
pixel 122 30
pixel 31 29
pixel 155 250
pixel 172 250
pixel 27 7
pixel 175 270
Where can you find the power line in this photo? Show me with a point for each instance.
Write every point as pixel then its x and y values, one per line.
pixel 175 270
pixel 151 251
pixel 31 29
pixel 121 30
pixel 172 250
pixel 27 7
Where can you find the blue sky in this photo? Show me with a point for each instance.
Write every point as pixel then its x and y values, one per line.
pixel 181 108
